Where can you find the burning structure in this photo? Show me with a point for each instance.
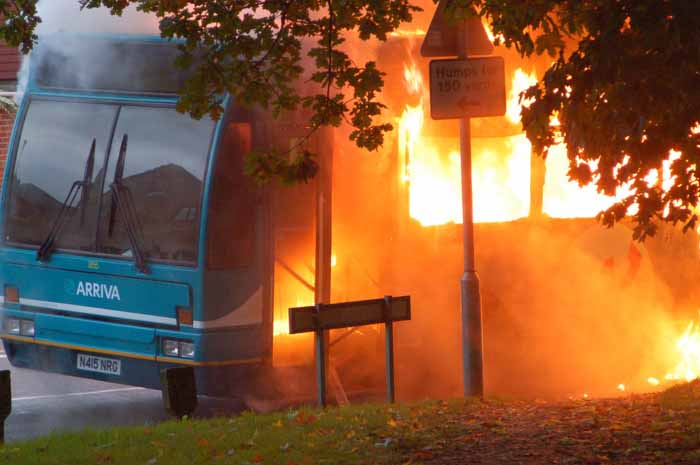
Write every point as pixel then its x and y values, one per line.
pixel 570 308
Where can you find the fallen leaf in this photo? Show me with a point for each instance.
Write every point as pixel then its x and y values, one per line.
pixel 304 419
pixel 384 443
pixel 423 455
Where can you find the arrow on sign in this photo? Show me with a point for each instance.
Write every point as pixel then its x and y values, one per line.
pixel 464 103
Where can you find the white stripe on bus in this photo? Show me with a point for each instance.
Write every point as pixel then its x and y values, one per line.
pixel 197 324
pixel 97 311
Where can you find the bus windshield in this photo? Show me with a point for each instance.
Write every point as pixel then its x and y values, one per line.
pixel 163 175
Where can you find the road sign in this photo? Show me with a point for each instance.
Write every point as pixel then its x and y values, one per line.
pixel 442 38
pixel 322 317
pixel 467 88
pixel 343 315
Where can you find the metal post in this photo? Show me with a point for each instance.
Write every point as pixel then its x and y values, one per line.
pixel 5 401
pixel 389 336
pixel 472 364
pixel 320 343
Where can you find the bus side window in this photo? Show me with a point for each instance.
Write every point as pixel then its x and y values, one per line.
pixel 232 204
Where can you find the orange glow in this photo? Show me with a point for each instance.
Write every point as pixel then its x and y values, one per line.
pixel 281 324
pixel 280 327
pixel 431 169
pixel 501 171
pixel 688 353
pixel 521 82
pixel 683 354
pixel 406 33
pixel 564 198
pixel 489 31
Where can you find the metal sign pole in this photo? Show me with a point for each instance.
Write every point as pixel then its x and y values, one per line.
pixel 472 362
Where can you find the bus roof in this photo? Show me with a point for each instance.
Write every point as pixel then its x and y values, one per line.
pixel 122 65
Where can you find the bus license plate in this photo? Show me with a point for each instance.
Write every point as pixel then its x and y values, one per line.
pixel 109 366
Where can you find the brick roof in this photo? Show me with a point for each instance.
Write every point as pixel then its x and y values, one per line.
pixel 10 60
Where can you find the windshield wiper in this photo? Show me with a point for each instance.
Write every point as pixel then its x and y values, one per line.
pixel 123 202
pixel 78 187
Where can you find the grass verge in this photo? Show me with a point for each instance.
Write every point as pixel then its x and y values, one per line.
pixel 347 435
pixel 637 429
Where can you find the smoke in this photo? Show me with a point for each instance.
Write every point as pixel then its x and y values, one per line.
pixel 65 16
pixel 568 306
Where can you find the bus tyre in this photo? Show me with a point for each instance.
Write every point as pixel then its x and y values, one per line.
pixel 179 391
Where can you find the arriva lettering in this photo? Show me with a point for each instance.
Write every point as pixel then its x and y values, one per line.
pixel 98 291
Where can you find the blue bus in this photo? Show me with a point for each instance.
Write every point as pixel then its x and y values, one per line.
pixel 132 241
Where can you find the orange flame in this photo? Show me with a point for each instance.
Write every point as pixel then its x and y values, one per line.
pixel 521 82
pixel 431 169
pixel 688 352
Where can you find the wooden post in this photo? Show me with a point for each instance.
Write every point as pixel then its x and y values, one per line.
pixel 322 284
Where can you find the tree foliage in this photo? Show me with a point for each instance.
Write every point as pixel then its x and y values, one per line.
pixel 624 86
pixel 257 51
pixel 622 83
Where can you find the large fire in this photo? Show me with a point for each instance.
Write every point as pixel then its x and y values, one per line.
pixel 430 170
pixel 501 171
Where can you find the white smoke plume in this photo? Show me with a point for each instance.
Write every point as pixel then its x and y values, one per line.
pixel 65 16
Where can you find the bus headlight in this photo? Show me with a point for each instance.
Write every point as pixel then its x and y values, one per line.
pixel 12 326
pixel 187 349
pixel 26 328
pixel 19 327
pixel 171 348
pixel 177 348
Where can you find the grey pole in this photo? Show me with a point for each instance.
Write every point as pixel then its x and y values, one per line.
pixel 321 351
pixel 389 342
pixel 472 356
